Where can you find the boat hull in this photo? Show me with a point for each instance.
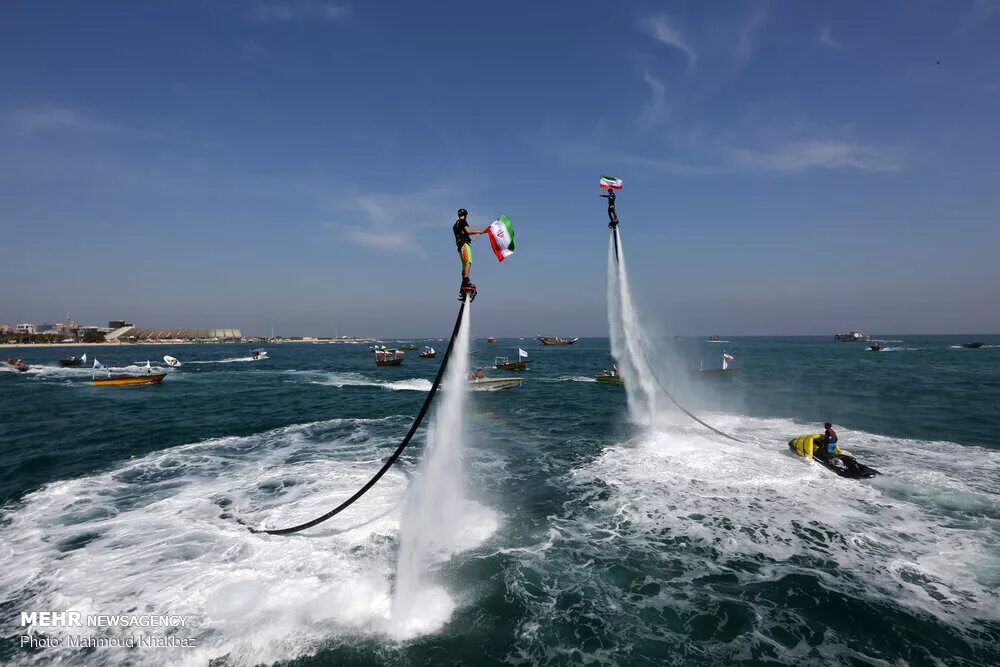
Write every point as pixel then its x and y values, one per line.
pixel 494 384
pixel 128 380
pixel 428 356
pixel 972 346
pixel 513 366
pixel 809 445
pixel 69 362
pixel 390 362
pixel 557 341
pixel 609 379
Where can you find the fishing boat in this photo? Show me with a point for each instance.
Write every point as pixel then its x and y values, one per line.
pixel 724 372
pixel 258 354
pixel 171 361
pixel 72 361
pixel 546 340
pixel 811 448
pixel 877 346
pixel 408 347
pixel 427 353
pixel 126 380
pixel 849 337
pixel 973 346
pixel 389 357
pixel 491 339
pixel 713 339
pixel 505 364
pixel 609 377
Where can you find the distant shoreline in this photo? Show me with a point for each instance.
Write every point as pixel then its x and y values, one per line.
pixel 165 342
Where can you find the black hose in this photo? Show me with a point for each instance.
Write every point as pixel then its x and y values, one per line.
pixel 395 455
pixel 642 353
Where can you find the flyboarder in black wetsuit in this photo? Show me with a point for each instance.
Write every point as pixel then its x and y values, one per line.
pixel 612 216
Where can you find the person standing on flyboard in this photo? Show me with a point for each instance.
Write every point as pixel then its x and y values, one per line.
pixel 463 240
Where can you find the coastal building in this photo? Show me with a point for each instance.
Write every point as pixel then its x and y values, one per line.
pixel 5 328
pixel 25 328
pixel 118 324
pixel 151 335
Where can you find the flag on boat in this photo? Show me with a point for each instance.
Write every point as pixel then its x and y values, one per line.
pixel 98 364
pixel 727 357
pixel 501 233
pixel 611 183
pixel 521 353
pixel 84 358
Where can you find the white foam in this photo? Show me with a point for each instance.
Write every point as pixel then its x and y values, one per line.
pixel 154 532
pixel 339 379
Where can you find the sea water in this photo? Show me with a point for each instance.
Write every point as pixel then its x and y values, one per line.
pixel 606 541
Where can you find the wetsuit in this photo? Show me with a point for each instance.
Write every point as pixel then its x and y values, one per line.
pixel 612 215
pixel 463 240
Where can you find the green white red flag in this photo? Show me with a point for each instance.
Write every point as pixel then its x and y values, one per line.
pixel 501 233
pixel 611 183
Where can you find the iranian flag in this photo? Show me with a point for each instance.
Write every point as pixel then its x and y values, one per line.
pixel 727 357
pixel 611 183
pixel 501 233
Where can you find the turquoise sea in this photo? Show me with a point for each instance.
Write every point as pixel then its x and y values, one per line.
pixel 593 540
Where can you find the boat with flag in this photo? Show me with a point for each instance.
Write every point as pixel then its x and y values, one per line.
pixel 547 340
pixel 609 377
pixel 125 379
pixel 725 371
pixel 479 382
pixel 505 364
pixel 70 361
pixel 427 353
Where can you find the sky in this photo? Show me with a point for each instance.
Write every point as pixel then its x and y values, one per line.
pixel 788 168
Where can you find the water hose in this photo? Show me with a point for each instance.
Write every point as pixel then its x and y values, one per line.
pixel 642 353
pixel 392 459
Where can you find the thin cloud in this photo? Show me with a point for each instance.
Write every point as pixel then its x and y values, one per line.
pixel 297 10
pixel 663 30
pixel 50 118
pixel 655 111
pixel 389 221
pixel 818 154
pixel 379 240
pixel 748 35
pixel 826 38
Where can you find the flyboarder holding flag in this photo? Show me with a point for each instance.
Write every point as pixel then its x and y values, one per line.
pixel 501 233
pixel 610 183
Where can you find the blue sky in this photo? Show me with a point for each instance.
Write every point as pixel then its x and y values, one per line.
pixel 788 167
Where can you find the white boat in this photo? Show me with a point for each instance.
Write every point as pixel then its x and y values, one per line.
pixel 171 361
pixel 258 354
pixel 494 384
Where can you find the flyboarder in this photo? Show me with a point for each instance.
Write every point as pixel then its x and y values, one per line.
pixel 464 242
pixel 612 216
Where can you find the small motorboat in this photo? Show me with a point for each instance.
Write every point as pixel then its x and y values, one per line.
pixel 408 347
pixel 258 354
pixel 877 346
pixel 125 380
pixel 171 361
pixel 849 337
pixel 505 364
pixel 609 377
pixel 479 382
pixel 973 346
pixel 812 448
pixel 546 340
pixel 389 357
pixel 491 339
pixel 713 339
pixel 18 364
pixel 427 353
pixel 72 361
pixel 724 372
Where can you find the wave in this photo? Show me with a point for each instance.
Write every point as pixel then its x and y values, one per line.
pixel 162 530
pixel 222 361
pixel 671 537
pixel 335 379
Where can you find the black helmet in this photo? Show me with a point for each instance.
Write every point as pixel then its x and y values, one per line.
pixel 828 425
pixel 462 212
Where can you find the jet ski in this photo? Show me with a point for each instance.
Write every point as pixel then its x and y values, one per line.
pixel 812 446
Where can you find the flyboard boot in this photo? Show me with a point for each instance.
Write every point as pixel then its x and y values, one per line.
pixel 467 289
